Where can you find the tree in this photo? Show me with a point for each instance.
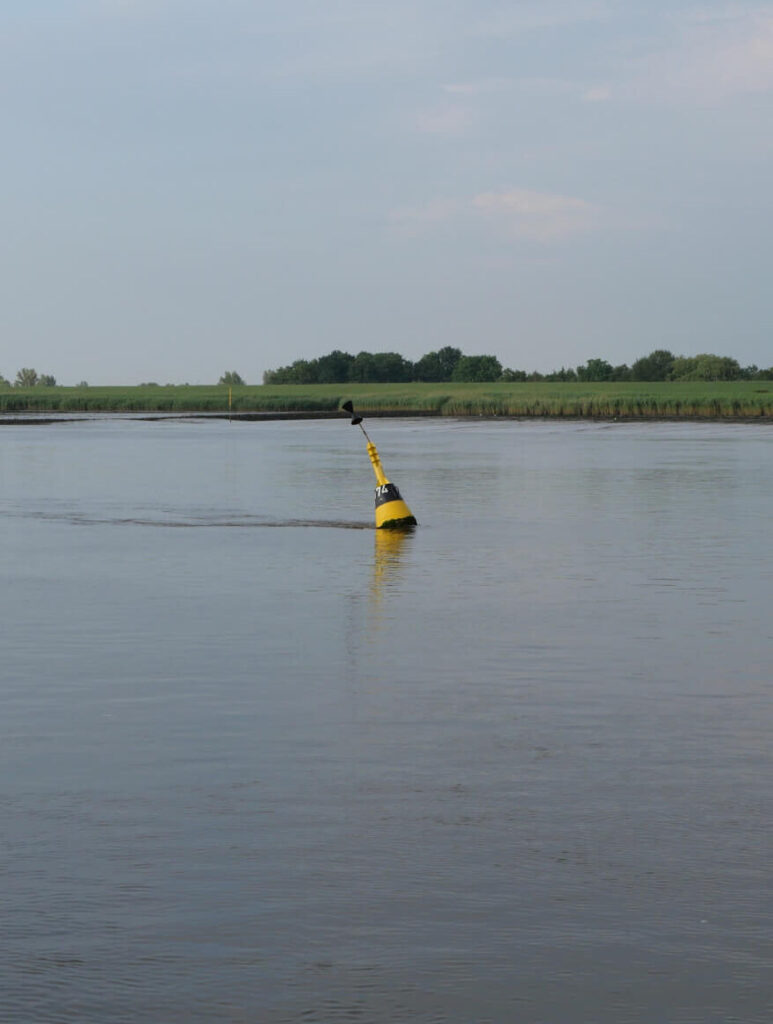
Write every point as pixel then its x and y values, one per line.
pixel 231 377
pixel 391 367
pixel 428 368
pixel 334 367
pixel 595 370
pixel 449 359
pixel 705 367
pixel 362 368
pixel 477 369
pixel 437 366
pixel 621 372
pixel 26 378
pixel 302 371
pixel 47 380
pixel 656 366
pixel 563 374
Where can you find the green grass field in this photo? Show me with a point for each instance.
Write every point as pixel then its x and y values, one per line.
pixel 693 399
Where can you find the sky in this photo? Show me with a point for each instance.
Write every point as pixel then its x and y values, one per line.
pixel 195 186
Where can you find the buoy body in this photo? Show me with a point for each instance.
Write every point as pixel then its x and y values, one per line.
pixel 391 511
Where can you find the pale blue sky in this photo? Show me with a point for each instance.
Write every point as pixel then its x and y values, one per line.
pixel 191 186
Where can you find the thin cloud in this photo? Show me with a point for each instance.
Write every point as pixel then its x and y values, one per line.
pixel 533 16
pixel 719 54
pixel 416 220
pixel 530 86
pixel 539 216
pixel 597 94
pixel 450 121
pixel 727 13
pixel 482 87
pixel 518 213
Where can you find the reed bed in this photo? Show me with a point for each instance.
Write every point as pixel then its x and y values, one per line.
pixel 747 400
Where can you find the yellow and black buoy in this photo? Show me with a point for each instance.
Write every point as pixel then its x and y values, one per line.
pixel 391 511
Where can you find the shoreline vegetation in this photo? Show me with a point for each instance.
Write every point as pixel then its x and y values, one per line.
pixel 748 400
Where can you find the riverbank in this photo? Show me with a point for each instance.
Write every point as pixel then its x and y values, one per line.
pixel 691 400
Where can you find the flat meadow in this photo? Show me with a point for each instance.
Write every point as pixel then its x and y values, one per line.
pixel 621 400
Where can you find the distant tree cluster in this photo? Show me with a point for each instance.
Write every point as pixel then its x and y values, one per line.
pixel 387 367
pixel 663 365
pixel 449 364
pixel 29 378
pixel 231 377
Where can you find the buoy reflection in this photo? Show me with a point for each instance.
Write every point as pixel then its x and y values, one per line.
pixel 388 551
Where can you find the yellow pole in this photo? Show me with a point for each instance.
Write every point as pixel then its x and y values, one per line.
pixel 378 469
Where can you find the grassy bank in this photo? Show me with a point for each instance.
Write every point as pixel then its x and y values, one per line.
pixel 692 400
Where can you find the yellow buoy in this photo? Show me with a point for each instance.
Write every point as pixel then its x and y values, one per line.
pixel 391 511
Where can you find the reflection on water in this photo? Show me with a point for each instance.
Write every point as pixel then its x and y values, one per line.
pixel 388 553
pixel 512 766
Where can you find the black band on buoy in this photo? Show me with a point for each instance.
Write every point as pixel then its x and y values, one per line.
pixel 387 492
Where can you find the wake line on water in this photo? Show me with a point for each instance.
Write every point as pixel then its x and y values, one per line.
pixel 189 524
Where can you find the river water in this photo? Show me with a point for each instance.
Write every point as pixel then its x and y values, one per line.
pixel 260 763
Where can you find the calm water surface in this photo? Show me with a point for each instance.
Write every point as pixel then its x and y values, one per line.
pixel 259 763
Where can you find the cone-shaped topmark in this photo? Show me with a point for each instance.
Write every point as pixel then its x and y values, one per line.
pixel 391 511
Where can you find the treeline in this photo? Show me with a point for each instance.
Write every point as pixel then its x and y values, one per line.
pixel 659 365
pixel 450 364
pixel 387 368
